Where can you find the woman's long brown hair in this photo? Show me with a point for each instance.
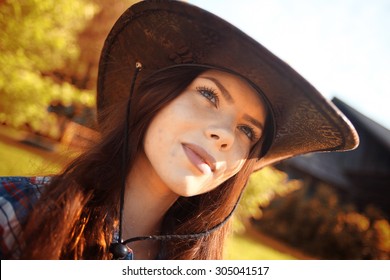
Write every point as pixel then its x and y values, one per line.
pixel 79 211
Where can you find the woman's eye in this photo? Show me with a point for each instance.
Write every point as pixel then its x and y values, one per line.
pixel 248 131
pixel 209 94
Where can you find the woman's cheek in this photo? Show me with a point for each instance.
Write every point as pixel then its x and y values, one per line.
pixel 234 166
pixel 188 109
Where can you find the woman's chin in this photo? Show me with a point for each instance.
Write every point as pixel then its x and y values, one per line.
pixel 191 185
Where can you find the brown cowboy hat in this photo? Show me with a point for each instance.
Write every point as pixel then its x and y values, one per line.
pixel 162 34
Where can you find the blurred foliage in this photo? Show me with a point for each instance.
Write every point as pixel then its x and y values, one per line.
pixel 248 247
pixel 38 36
pixel 317 221
pixel 262 187
pixel 23 162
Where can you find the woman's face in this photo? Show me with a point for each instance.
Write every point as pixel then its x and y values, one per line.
pixel 203 137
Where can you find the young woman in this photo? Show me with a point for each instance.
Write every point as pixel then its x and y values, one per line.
pixel 188 107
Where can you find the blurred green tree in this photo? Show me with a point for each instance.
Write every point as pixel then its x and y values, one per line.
pixel 262 187
pixel 39 36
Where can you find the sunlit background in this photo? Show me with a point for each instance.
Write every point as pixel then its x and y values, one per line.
pixel 316 207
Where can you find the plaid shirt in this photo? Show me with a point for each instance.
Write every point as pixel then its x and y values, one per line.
pixel 17 198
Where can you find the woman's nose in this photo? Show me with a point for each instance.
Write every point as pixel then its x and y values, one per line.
pixel 223 137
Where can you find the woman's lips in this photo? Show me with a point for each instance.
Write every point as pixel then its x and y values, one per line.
pixel 200 158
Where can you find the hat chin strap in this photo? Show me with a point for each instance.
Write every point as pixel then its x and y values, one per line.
pixel 120 249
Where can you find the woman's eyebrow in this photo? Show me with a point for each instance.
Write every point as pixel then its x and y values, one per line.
pixel 255 122
pixel 224 91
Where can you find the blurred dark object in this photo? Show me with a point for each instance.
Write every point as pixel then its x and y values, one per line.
pixel 343 209
pixel 76 124
pixel 60 109
pixel 320 224
pixel 75 112
pixel 361 175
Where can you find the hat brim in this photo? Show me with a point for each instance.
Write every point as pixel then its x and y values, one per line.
pixel 165 34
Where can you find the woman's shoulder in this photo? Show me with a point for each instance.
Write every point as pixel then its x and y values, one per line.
pixel 23 183
pixel 19 194
pixel 18 189
pixel 17 197
pixel 36 181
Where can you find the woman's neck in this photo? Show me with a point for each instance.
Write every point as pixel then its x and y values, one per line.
pixel 147 200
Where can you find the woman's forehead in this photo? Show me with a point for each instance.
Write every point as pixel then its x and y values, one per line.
pixel 233 87
pixel 228 80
